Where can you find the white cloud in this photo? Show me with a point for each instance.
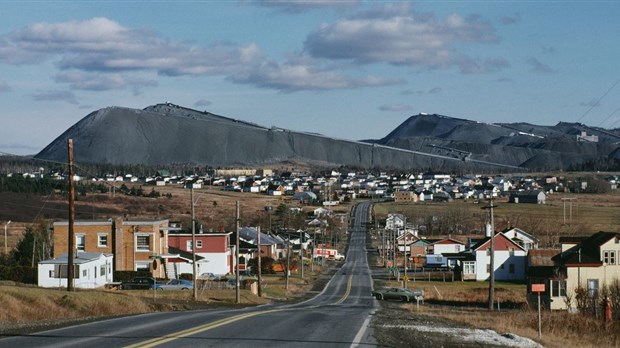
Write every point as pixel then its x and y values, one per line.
pixel 396 35
pixel 96 54
pixel 299 6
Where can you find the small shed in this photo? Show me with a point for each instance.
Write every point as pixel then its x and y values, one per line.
pixel 91 270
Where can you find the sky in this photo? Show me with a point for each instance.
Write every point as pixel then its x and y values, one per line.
pixel 348 69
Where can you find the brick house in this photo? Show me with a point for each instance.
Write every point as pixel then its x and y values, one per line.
pixel 134 243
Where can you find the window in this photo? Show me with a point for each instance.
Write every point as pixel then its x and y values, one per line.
pixel 143 242
pixel 188 245
pixel 52 274
pixel 102 240
pixel 593 287
pixel 61 271
pixel 102 270
pixel 609 257
pixel 488 268
pixel 143 266
pixel 84 272
pixel 469 267
pixel 511 251
pixel 198 244
pixel 511 268
pixel 558 288
pixel 80 242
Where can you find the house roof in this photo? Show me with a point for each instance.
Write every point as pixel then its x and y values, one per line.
pixel 447 241
pixel 541 257
pixel 587 252
pixel 183 254
pixel 79 258
pixel 249 234
pixel 485 243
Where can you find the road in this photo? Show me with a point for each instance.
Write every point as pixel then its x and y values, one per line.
pixel 338 317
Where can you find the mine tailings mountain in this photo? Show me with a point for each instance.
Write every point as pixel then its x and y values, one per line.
pixel 165 134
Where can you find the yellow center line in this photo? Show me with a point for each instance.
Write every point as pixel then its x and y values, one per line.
pixel 347 292
pixel 225 321
pixel 192 331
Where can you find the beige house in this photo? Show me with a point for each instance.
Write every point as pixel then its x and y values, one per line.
pixel 590 263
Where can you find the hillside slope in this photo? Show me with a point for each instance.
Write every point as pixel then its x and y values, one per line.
pixel 165 133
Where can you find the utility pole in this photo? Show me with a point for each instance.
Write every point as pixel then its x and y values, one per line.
pixel 301 252
pixel 260 271
pixel 6 248
pixel 194 244
pixel 71 236
pixel 492 255
pixel 237 290
pixel 288 260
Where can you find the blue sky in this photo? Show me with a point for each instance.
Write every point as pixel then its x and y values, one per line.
pixel 348 69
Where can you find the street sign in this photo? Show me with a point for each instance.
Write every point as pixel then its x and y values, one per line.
pixel 538 288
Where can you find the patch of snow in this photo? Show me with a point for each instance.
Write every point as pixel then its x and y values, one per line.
pixel 475 335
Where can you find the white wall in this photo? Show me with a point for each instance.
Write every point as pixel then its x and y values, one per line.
pixel 89 277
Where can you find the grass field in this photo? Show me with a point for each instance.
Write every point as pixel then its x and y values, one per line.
pixel 562 215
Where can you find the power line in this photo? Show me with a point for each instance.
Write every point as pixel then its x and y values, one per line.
pixel 598 101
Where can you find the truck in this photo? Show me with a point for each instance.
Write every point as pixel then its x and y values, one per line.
pixel 331 254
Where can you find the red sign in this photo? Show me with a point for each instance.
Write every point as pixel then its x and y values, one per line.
pixel 538 287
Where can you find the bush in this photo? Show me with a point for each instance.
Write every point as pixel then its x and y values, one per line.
pixel 20 274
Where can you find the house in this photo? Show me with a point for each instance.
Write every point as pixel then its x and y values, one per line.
pixel 91 270
pixel 134 244
pixel 395 221
pixel 445 246
pixel 524 239
pixel 509 261
pixel 268 243
pixel 591 263
pixel 405 196
pixel 212 250
pixel 543 270
pixel 529 196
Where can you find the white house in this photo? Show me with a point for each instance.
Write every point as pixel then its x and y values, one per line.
pixel 92 270
pixel 524 239
pixel 509 261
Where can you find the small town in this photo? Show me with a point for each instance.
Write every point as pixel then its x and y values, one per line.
pixel 305 224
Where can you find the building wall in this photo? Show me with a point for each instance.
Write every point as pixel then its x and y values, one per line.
pixel 501 257
pixel 130 256
pixel 90 276
pixel 89 229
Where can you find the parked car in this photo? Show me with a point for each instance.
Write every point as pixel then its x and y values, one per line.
pixel 209 276
pixel 138 283
pixel 401 294
pixel 175 284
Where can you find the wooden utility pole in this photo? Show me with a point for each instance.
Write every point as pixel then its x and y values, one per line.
pixel 492 256
pixel 195 295
pixel 71 236
pixel 237 290
pixel 260 271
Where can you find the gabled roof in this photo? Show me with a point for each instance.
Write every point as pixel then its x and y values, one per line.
pixel 183 254
pixel 447 241
pixel 249 234
pixel 587 252
pixel 485 243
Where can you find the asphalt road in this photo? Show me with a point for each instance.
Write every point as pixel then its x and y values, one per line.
pixel 338 317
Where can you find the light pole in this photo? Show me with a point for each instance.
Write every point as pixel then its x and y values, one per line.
pixel 6 248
